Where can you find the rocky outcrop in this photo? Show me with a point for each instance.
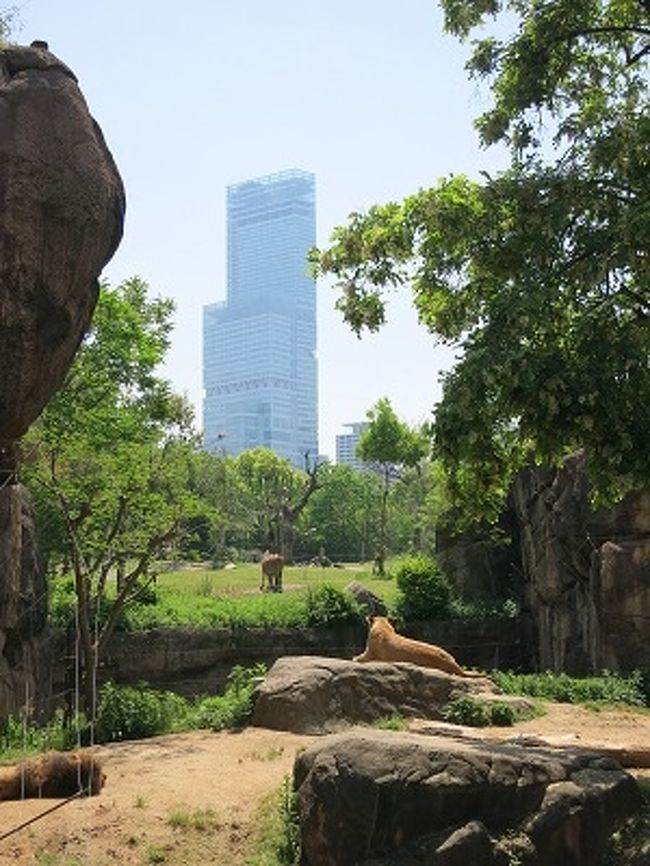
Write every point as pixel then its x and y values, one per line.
pixel 586 573
pixel 374 797
pixel 314 695
pixel 583 574
pixel 60 222
pixel 23 604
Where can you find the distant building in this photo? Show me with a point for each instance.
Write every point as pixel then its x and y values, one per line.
pixel 259 346
pixel 346 446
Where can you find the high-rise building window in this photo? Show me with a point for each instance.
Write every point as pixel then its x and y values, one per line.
pixel 260 374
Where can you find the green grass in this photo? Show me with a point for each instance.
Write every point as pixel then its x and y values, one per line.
pixel 277 840
pixel 202 820
pixel 608 688
pixel 223 598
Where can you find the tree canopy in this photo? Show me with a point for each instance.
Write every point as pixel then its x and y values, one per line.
pixel 539 275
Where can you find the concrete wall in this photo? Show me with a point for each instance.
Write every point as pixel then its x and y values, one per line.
pixel 195 662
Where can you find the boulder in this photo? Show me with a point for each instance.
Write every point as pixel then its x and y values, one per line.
pixel 61 221
pixel 378 797
pixel 369 602
pixel 314 695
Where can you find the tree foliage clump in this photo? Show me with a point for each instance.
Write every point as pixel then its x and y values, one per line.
pixel 425 591
pixel 539 275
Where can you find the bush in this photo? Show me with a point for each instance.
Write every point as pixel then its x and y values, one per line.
pixel 467 711
pixel 233 708
pixel 477 714
pixel 327 605
pixel 22 737
pixel 132 713
pixel 425 592
pixel 608 688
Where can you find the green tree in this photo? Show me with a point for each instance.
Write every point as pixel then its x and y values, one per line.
pixel 274 494
pixel 392 445
pixel 342 516
pixel 538 276
pixel 109 464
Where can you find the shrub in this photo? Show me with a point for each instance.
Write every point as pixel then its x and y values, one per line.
pixel 425 592
pixel 608 688
pixel 136 712
pixel 22 737
pixel 502 714
pixel 467 711
pixel 233 708
pixel 327 605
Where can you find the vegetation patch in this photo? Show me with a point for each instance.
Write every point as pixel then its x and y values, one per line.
pixel 391 723
pixel 470 711
pixel 277 841
pixel 608 688
pixel 203 820
pixel 425 592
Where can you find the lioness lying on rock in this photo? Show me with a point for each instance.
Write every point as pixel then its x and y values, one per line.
pixel 385 645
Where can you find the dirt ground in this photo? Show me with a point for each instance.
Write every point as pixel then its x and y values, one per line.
pixel 194 798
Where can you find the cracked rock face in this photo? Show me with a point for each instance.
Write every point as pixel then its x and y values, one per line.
pixel 60 222
pixel 375 797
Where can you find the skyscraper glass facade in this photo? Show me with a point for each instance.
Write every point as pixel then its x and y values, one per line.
pixel 259 346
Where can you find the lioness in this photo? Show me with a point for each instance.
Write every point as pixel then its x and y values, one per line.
pixel 385 645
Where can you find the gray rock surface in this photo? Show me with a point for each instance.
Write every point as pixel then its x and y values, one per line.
pixel 370 602
pixel 60 222
pixel 23 604
pixel 587 573
pixel 313 694
pixel 376 797
pixel 583 574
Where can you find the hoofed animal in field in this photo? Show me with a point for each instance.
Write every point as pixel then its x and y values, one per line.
pixel 54 774
pixel 386 645
pixel 272 565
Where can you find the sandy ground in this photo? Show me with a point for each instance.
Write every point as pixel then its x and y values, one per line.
pixel 194 798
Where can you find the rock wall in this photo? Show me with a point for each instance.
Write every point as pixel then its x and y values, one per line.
pixel 587 573
pixel 23 606
pixel 194 662
pixel 583 575
pixel 60 222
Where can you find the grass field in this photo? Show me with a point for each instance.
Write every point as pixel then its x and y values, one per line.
pixel 245 580
pixel 200 597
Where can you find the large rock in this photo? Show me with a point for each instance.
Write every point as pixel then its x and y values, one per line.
pixel 586 572
pixel 386 798
pixel 583 574
pixel 61 220
pixel 23 605
pixel 313 695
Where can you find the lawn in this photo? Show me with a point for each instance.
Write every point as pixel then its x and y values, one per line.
pixel 244 580
pixel 199 597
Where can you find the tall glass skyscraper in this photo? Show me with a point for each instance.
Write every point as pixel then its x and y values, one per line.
pixel 259 346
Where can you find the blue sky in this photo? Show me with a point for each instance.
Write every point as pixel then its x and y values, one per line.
pixel 370 95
